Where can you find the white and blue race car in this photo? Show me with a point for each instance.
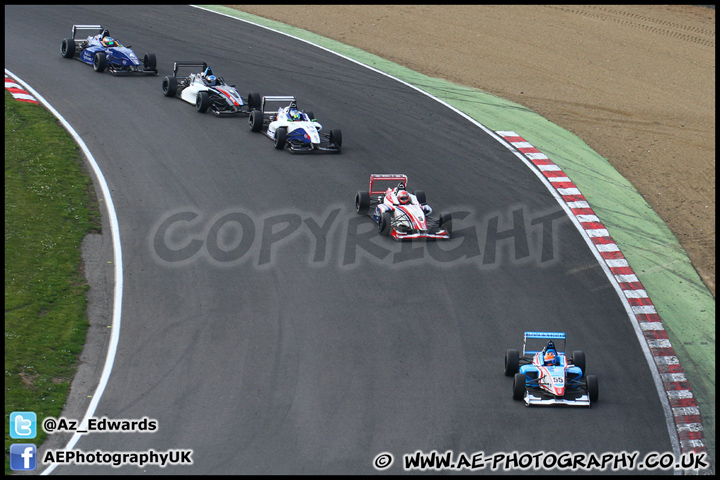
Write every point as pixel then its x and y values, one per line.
pixel 207 91
pixel 548 376
pixel 93 45
pixel 281 121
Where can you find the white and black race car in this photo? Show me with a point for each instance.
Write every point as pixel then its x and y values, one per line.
pixel 207 91
pixel 399 212
pixel 281 121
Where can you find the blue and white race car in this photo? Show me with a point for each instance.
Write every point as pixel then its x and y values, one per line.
pixel 281 121
pixel 92 44
pixel 547 376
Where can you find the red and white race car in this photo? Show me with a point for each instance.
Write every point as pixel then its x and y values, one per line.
pixel 399 212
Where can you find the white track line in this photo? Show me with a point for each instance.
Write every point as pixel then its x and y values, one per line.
pixel 117 258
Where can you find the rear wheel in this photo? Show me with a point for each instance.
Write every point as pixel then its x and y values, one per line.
pixel 578 359
pixel 67 49
pixel 336 137
pixel 420 195
pixel 310 115
pixel 280 138
pixel 254 101
pixel 512 362
pixel 519 386
pixel 362 202
pixel 385 223
pixel 150 62
pixel 169 86
pixel 100 62
pixel 592 387
pixel 202 101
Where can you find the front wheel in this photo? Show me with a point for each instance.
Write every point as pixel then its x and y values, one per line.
pixel 519 386
pixel 67 49
pixel 336 137
pixel 362 202
pixel 592 387
pixel 100 62
pixel 384 225
pixel 446 222
pixel 150 62
pixel 280 138
pixel 255 120
pixel 202 101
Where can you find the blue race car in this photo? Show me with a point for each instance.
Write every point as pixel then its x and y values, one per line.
pixel 103 52
pixel 547 376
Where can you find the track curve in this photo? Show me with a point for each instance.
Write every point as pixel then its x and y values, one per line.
pixel 309 353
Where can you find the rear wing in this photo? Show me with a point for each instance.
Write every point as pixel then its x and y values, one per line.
pixel 179 65
pixel 87 30
pixel 383 177
pixel 280 100
pixel 559 338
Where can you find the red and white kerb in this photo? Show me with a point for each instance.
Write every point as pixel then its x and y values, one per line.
pixel 17 91
pixel 688 421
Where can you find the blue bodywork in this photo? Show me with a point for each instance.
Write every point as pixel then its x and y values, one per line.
pixel 299 136
pixel 118 56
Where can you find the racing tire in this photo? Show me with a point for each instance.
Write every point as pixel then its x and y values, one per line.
pixel 255 120
pixel 99 62
pixel 578 359
pixel 202 101
pixel 420 195
pixel 254 101
pixel 280 138
pixel 169 86
pixel 519 386
pixel 592 387
pixel 384 225
pixel 446 222
pixel 336 137
pixel 512 362
pixel 362 202
pixel 67 48
pixel 310 115
pixel 150 62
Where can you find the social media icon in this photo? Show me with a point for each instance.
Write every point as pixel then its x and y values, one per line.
pixel 23 425
pixel 23 456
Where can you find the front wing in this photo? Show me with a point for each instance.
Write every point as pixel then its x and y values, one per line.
pixel 533 397
pixel 442 235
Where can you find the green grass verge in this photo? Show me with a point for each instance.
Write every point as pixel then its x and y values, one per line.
pixel 50 205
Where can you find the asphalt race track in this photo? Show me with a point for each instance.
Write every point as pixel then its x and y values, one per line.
pixel 267 347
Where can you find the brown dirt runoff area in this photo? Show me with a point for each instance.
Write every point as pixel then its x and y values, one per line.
pixel 635 82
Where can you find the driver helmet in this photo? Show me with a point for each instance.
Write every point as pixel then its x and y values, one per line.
pixel 109 42
pixel 403 197
pixel 550 357
pixel 212 80
pixel 295 114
